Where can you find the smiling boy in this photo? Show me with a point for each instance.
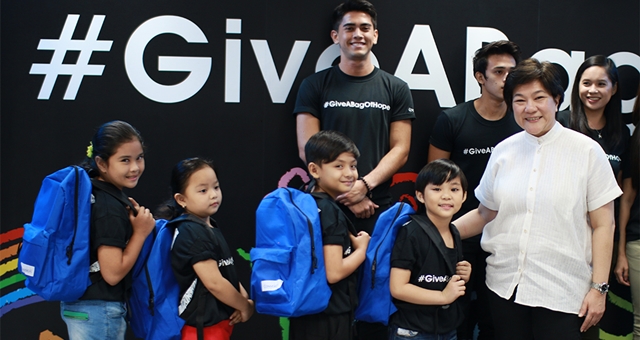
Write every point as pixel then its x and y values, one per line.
pixel 427 272
pixel 332 162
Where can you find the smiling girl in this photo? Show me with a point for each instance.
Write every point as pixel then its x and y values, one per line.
pixel 115 160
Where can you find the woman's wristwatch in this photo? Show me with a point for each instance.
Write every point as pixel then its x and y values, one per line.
pixel 603 288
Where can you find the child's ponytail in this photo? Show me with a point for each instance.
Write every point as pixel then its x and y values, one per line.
pixel 169 210
pixel 179 179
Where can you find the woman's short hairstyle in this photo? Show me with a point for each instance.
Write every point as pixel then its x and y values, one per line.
pixel 530 70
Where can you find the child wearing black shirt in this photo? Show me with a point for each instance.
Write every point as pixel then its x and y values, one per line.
pixel 427 272
pixel 212 298
pixel 332 160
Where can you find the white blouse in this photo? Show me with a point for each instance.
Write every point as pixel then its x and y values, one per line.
pixel 540 239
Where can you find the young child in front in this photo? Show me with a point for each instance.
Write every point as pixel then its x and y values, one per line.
pixel 201 260
pixel 115 160
pixel 332 159
pixel 427 272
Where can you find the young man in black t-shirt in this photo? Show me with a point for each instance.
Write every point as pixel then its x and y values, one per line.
pixel 466 134
pixel 332 160
pixel 372 107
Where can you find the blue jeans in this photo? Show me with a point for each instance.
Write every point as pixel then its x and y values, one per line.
pixel 397 333
pixel 94 319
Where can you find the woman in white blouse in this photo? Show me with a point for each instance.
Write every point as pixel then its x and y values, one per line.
pixel 546 198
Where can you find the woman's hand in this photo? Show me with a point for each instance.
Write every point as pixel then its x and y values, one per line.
pixel 622 269
pixel 592 309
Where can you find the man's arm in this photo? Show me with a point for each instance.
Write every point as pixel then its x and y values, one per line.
pixel 306 126
pixel 435 153
pixel 399 142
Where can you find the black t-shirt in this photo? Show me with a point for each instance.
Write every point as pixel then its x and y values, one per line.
pixel 426 256
pixel 470 139
pixel 615 153
pixel 110 226
pixel 335 231
pixel 362 108
pixel 194 242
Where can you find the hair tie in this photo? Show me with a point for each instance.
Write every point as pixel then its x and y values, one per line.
pixel 90 150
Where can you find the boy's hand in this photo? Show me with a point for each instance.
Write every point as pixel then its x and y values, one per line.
pixel 454 289
pixel 360 240
pixel 142 223
pixel 463 268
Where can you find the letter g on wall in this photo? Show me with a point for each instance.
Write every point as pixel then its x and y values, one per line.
pixel 199 67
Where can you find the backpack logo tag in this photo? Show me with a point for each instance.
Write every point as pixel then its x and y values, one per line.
pixel 270 285
pixel 27 270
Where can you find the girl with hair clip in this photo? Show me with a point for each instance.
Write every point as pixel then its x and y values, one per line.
pixel 213 299
pixel 628 265
pixel 115 160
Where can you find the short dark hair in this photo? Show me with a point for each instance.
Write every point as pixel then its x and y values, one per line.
pixel 325 147
pixel 106 141
pixel 530 70
pixel 613 109
pixel 440 171
pixel 481 58
pixel 354 6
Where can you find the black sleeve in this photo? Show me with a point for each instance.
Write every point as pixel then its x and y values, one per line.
pixel 307 99
pixel 442 135
pixel 111 225
pixel 333 230
pixel 404 250
pixel 403 104
pixel 193 245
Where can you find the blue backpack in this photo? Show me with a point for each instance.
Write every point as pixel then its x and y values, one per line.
pixel 155 294
pixel 288 276
pixel 54 256
pixel 374 295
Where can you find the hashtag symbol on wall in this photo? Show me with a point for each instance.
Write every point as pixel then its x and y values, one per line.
pixel 60 47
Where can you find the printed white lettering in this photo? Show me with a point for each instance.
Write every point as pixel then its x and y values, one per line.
pixel 233 47
pixel 421 41
pixel 279 88
pixel 199 67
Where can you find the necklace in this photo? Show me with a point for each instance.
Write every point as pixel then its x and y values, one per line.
pixel 599 133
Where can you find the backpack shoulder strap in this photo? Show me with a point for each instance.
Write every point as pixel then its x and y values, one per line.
pixel 352 229
pixel 457 241
pixel 116 194
pixel 436 239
